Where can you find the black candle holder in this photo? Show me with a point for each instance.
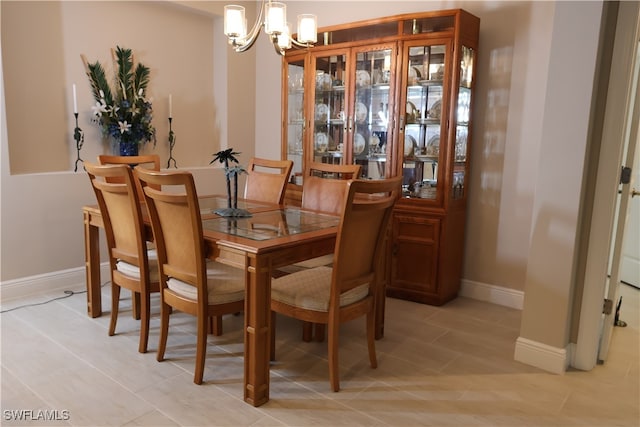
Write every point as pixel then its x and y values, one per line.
pixel 172 142
pixel 78 135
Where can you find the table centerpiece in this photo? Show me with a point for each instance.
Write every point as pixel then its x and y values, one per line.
pixel 123 113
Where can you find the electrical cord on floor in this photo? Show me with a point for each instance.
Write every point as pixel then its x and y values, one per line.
pixel 67 294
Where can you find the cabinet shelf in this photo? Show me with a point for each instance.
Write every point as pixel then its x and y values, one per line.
pixel 428 83
pixel 425 158
pixel 423 122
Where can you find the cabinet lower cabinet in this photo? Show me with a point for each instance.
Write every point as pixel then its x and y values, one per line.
pixel 425 257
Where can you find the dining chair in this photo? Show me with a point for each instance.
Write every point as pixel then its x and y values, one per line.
pixel 267 180
pixel 132 264
pixel 150 161
pixel 324 186
pixel 188 282
pixel 345 291
pixel 324 190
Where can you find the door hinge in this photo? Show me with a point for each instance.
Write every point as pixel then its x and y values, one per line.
pixel 625 175
pixel 607 306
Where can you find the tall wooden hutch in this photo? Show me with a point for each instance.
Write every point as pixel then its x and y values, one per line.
pixel 394 95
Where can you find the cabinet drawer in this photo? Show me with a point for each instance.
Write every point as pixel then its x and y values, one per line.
pixel 416 228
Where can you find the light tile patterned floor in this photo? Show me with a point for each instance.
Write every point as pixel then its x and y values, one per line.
pixel 438 366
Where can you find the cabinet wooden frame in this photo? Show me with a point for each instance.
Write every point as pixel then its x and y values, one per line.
pixel 436 180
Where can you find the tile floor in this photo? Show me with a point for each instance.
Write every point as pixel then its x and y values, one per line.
pixel 438 366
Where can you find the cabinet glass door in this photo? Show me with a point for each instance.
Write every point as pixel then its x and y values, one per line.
pixel 295 115
pixel 370 122
pixel 462 122
pixel 329 115
pixel 423 122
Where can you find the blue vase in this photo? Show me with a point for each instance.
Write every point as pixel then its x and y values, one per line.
pixel 128 148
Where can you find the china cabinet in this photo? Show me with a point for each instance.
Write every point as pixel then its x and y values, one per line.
pixel 394 95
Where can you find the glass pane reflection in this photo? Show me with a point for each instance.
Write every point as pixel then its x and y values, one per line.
pixel 271 224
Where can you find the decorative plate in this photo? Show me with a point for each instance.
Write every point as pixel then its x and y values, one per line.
pixel 409 144
pixel 412 112
pixel 374 141
pixel 414 75
pixel 322 112
pixel 321 142
pixel 436 110
pixel 433 146
pixel 363 78
pixel 358 144
pixel 323 81
pixel 361 112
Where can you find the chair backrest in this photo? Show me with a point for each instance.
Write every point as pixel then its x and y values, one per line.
pixel 177 226
pixel 150 161
pixel 117 195
pixel 267 180
pixel 361 235
pixel 325 186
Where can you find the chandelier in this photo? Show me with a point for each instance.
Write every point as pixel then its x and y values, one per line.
pixel 273 17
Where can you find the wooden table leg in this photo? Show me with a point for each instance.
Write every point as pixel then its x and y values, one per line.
pixel 92 266
pixel 257 319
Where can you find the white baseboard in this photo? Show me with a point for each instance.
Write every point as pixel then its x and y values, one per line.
pixel 543 356
pixel 491 293
pixel 59 281
pixel 75 279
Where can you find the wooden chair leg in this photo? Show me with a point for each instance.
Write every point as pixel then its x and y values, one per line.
pixel 371 338
pixel 145 314
pixel 307 331
pixel 319 332
pixel 135 305
pixel 115 303
pixel 164 331
pixel 201 349
pixel 272 351
pixel 215 325
pixel 334 370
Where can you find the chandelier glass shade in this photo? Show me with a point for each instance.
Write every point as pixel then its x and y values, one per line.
pixel 273 17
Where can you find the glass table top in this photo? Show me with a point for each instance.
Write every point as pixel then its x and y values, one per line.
pixel 209 204
pixel 271 224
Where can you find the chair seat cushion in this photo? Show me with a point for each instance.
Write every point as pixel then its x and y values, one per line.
pixel 225 284
pixel 134 271
pixel 310 289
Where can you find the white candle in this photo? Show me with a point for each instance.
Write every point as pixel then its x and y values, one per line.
pixel 170 107
pixel 75 100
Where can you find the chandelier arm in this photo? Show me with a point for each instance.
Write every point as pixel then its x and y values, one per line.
pixel 247 42
pixel 296 43
pixel 276 46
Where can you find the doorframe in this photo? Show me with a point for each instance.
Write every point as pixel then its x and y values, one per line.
pixel 605 167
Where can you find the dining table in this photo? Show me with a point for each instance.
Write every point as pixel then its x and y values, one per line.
pixel 273 236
